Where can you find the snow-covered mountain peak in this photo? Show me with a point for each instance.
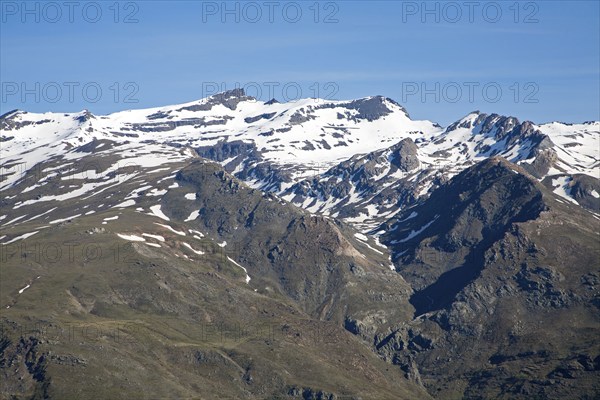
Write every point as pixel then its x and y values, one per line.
pixel 494 125
pixel 356 159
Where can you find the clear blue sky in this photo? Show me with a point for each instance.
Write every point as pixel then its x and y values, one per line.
pixel 544 56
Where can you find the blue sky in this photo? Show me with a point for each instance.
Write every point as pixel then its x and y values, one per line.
pixel 533 60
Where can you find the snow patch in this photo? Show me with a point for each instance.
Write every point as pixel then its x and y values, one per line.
pixel 361 236
pixel 14 220
pixel 192 249
pixel 156 211
pixel 133 238
pixel 24 289
pixel 156 192
pixel 126 203
pixel 56 221
pixel 192 216
pixel 23 236
pixel 171 229
pixel 562 188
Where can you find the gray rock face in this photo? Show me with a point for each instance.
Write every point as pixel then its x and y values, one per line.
pixel 229 99
pixel 224 150
pixel 250 120
pixel 404 155
pixel 494 125
pixel 92 146
pixel 506 130
pixel 310 394
pixel 370 109
pixel 165 126
pixel 159 115
pixel 542 163
pixel 86 116
pixel 10 121
pixel 541 285
pixel 300 117
pixel 29 362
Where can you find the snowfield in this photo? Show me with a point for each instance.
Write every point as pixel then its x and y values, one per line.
pixel 302 140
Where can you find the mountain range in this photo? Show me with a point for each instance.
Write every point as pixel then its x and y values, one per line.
pixel 235 248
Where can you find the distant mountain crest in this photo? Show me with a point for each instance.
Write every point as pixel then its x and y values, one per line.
pixel 361 160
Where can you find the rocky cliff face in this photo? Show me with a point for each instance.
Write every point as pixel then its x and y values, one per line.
pixel 504 274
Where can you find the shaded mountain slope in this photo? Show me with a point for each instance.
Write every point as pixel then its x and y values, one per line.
pixel 505 275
